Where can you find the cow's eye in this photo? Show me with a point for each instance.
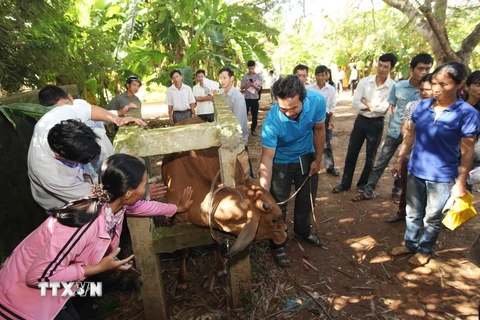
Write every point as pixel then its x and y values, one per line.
pixel 274 220
pixel 265 206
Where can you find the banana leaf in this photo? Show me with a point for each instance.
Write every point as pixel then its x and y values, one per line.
pixel 33 110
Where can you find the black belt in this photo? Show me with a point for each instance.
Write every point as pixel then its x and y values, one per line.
pixel 183 111
pixel 372 118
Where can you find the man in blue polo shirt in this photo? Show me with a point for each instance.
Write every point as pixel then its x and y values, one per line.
pixel 402 93
pixel 293 128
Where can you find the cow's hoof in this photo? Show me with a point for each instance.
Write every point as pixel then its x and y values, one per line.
pixel 221 276
pixel 181 289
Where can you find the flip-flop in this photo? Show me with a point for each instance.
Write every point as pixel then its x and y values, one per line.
pixel 312 240
pixel 280 254
pixel 394 218
pixel 400 251
pixel 419 259
pixel 361 196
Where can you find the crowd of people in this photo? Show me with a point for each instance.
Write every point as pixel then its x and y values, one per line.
pixel 86 190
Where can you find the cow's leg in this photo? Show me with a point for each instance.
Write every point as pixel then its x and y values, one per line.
pixel 182 272
pixel 220 270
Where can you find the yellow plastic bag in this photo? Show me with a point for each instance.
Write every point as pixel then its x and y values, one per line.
pixel 461 211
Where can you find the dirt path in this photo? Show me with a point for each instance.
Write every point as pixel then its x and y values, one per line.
pixel 356 279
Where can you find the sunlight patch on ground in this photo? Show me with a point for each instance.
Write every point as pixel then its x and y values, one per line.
pixel 346 220
pixel 362 244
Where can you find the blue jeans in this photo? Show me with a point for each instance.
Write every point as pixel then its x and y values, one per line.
pixel 437 194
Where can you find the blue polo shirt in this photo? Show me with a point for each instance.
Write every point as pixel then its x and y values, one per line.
pixel 435 155
pixel 401 94
pixel 290 138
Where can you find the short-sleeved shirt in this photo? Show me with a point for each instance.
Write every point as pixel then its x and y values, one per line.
pixel 435 155
pixel 54 183
pixel 290 138
pixel 328 92
pixel 237 104
pixel 203 107
pixel 402 93
pixel 180 99
pixel 409 108
pixel 246 79
pixel 121 100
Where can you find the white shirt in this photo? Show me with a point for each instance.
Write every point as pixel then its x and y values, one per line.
pixel 203 107
pixel 377 96
pixel 273 79
pixel 328 92
pixel 180 99
pixel 353 75
pixel 52 182
pixel 341 75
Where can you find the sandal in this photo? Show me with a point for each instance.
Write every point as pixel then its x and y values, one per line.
pixel 395 218
pixel 281 257
pixel 396 198
pixel 361 196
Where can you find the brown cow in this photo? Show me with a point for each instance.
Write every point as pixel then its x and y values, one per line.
pixel 247 211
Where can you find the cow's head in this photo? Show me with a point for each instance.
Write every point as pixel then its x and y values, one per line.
pixel 264 218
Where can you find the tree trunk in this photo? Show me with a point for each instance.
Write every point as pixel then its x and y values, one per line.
pixel 430 23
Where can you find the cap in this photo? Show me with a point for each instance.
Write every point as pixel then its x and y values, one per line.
pixel 133 78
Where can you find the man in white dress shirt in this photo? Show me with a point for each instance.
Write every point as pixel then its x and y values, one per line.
pixel 370 100
pixel 180 99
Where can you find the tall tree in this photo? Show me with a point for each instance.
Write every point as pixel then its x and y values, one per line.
pixel 430 18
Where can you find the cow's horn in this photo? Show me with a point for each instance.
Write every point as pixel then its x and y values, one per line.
pixel 265 206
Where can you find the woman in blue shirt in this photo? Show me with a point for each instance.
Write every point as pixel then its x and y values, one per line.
pixel 441 128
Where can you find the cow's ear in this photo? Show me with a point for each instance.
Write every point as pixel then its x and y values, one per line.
pixel 246 236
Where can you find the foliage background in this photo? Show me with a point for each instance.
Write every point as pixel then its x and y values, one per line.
pixel 96 44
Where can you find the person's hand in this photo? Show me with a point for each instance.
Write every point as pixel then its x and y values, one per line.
pixel 396 171
pixel 314 168
pixel 124 121
pixel 157 190
pixel 330 125
pixel 458 190
pixel 171 121
pixel 111 262
pixel 186 200
pixel 129 106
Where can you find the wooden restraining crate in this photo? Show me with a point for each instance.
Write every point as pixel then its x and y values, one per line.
pixel 147 240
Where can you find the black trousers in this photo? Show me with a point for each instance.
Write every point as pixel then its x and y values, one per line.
pixel 371 130
pixel 327 150
pixel 283 176
pixel 252 104
pixel 210 117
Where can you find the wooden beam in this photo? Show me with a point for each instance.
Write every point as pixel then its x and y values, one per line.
pixel 170 239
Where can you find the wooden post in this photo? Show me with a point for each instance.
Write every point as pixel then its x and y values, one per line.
pixel 239 264
pixel 151 289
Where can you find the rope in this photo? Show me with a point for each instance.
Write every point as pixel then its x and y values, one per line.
pixel 311 203
pixel 212 195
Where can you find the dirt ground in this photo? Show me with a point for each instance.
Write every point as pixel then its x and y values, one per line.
pixel 351 278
